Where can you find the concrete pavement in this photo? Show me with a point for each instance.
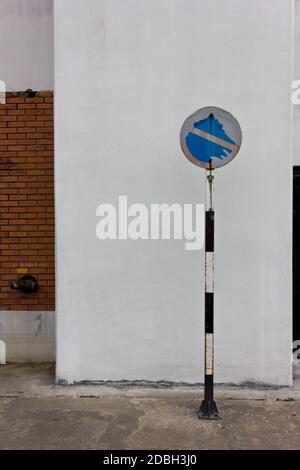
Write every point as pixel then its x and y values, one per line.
pixel 37 414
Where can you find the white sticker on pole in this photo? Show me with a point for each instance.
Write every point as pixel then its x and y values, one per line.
pixel 209 353
pixel 209 272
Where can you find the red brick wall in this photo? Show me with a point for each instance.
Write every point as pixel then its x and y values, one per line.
pixel 27 199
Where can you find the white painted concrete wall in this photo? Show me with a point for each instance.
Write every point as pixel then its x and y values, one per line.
pixel 127 74
pixel 297 77
pixel 28 336
pixel 26 44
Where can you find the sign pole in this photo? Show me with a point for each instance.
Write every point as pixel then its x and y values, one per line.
pixel 208 408
pixel 210 138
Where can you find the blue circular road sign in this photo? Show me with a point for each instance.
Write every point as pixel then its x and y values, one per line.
pixel 211 137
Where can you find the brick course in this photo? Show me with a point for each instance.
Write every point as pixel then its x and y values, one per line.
pixel 27 199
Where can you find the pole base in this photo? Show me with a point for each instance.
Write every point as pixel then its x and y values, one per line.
pixel 208 410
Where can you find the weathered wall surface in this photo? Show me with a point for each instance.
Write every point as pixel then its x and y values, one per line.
pixel 27 225
pixel 27 199
pixel 127 75
pixel 297 77
pixel 28 336
pixel 26 177
pixel 26 44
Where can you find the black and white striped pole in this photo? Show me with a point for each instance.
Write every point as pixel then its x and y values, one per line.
pixel 210 138
pixel 208 408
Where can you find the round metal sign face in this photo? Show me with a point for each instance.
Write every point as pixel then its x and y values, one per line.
pixel 211 137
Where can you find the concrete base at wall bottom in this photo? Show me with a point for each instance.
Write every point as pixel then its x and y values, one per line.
pixel 28 336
